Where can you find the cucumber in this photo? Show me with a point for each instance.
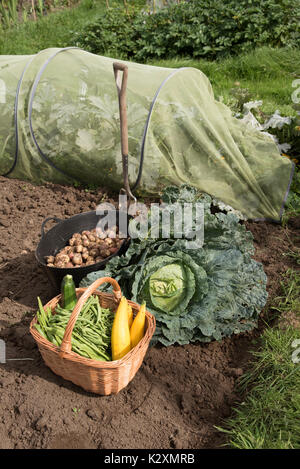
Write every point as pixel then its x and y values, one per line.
pixel 68 293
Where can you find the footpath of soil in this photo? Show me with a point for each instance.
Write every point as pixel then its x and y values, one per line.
pixel 179 394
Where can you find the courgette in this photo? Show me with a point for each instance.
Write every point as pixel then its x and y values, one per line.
pixel 137 330
pixel 68 293
pixel 120 335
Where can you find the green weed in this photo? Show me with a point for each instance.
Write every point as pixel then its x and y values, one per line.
pixel 269 416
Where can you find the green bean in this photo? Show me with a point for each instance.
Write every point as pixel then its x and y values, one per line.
pixel 42 316
pixel 60 333
pixel 53 339
pixel 87 342
pixel 93 353
pixel 79 320
pixel 87 304
pixel 95 340
pixel 40 330
pixel 63 312
pixel 92 330
pixel 58 340
pixel 77 345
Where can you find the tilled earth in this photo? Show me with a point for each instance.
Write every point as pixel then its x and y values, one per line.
pixel 179 394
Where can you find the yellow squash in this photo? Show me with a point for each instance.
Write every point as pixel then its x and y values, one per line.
pixel 137 329
pixel 130 316
pixel 120 334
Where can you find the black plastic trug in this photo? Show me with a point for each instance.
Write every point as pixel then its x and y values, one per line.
pixel 57 238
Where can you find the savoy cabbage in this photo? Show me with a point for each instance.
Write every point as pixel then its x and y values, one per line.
pixel 198 294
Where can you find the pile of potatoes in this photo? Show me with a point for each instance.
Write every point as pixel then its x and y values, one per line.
pixel 86 248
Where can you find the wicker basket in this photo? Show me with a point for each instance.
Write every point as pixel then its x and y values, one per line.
pixel 99 377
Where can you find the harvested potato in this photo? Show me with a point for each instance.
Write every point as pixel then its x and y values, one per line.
pixel 87 248
pixel 85 256
pixel 105 253
pixel 62 258
pixel 94 253
pixel 108 241
pixel 50 259
pixel 77 259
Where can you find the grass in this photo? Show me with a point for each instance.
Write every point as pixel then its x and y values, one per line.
pixel 290 286
pixel 267 73
pixel 269 417
pixel 292 206
pixel 53 30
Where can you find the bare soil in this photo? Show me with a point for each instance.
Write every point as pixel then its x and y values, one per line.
pixel 179 394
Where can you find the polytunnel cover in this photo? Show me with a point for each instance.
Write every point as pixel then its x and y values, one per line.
pixel 60 123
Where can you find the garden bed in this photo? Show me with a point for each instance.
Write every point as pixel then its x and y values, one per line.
pixel 179 394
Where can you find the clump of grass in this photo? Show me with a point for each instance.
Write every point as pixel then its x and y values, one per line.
pixel 55 29
pixel 290 299
pixel 292 206
pixel 266 73
pixel 269 416
pixel 8 13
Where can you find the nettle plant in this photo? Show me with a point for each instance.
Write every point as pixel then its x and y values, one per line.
pixel 198 294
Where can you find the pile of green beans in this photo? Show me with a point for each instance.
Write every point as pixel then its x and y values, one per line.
pixel 91 337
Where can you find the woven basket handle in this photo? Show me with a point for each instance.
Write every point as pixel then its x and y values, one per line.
pixel 66 345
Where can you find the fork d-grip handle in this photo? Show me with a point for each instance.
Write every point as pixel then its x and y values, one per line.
pixel 121 88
